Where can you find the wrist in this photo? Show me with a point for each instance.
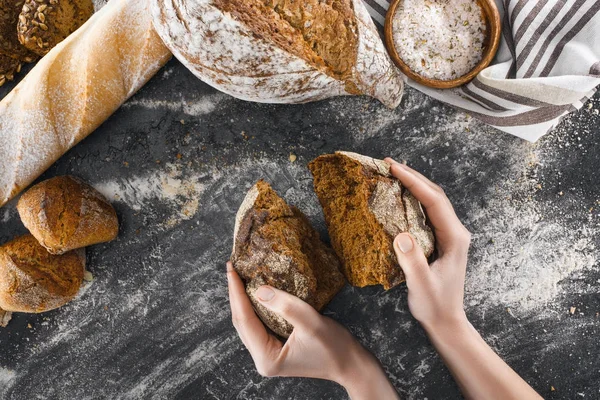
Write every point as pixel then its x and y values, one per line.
pixel 457 323
pixel 364 378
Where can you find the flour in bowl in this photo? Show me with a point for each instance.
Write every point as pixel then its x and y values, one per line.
pixel 439 39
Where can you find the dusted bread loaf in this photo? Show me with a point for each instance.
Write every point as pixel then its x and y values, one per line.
pixel 365 208
pixel 33 280
pixel 74 89
pixel 275 245
pixel 280 51
pixel 65 213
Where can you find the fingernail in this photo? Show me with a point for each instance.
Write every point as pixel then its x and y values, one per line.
pixel 229 266
pixel 404 243
pixel 264 293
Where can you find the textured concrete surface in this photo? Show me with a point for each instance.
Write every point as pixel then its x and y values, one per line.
pixel 176 161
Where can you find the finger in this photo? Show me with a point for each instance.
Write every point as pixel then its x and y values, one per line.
pixel 411 259
pixel 297 312
pixel 249 327
pixel 391 161
pixel 438 207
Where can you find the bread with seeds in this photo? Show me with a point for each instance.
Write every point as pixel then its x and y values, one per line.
pixel 280 51
pixel 33 280
pixel 75 88
pixel 9 41
pixel 64 213
pixel 8 68
pixel 45 23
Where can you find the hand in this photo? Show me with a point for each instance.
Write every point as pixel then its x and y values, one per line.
pixel 435 297
pixel 436 291
pixel 317 348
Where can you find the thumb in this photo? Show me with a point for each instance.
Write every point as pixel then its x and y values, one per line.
pixel 291 308
pixel 411 258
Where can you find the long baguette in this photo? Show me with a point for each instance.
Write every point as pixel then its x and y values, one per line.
pixel 74 89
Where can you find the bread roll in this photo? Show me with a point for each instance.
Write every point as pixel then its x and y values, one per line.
pixel 75 88
pixel 365 208
pixel 64 213
pixel 275 245
pixel 45 23
pixel 33 280
pixel 280 51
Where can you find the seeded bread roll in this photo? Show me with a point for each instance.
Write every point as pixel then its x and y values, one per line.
pixel 280 51
pixel 45 23
pixel 64 213
pixel 33 280
pixel 275 245
pixel 8 68
pixel 365 208
pixel 75 88
pixel 9 42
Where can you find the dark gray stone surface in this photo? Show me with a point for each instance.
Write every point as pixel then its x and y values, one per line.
pixel 155 321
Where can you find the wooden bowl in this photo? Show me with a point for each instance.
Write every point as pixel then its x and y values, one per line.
pixel 491 42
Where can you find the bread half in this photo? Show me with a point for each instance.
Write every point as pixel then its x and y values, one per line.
pixel 275 245
pixel 365 208
pixel 280 51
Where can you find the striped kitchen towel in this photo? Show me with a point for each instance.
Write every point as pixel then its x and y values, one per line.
pixel 547 65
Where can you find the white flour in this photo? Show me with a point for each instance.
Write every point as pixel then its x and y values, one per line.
pixel 193 107
pixel 166 186
pixel 6 380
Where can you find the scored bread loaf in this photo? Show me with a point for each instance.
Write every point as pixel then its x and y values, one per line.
pixel 365 208
pixel 64 213
pixel 275 245
pixel 74 88
pixel 33 280
pixel 280 51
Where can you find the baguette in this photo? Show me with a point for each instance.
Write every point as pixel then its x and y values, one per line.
pixel 74 89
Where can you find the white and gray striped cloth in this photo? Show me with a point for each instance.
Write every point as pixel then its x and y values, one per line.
pixel 547 65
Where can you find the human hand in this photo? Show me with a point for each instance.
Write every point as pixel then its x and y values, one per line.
pixel 317 348
pixel 436 291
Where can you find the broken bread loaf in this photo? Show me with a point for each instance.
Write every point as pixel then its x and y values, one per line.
pixel 64 213
pixel 275 245
pixel 280 51
pixel 33 280
pixel 365 208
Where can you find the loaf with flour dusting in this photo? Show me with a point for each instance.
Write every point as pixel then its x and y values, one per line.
pixel 74 89
pixel 280 51
pixel 365 208
pixel 275 245
pixel 33 280
pixel 64 213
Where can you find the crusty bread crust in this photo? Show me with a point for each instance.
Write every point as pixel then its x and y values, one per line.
pixel 64 213
pixel 247 56
pixel 275 245
pixel 33 280
pixel 365 207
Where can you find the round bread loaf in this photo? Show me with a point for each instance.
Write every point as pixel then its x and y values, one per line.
pixel 9 41
pixel 280 51
pixel 33 280
pixel 365 208
pixel 45 23
pixel 64 213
